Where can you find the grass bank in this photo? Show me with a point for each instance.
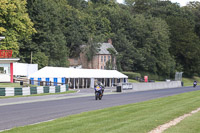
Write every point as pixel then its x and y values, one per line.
pixel 189 81
pixel 186 81
pixel 188 125
pixel 132 118
pixel 10 85
pixel 132 81
pixel 14 85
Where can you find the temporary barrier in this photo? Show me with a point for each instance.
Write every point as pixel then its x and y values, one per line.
pixel 11 91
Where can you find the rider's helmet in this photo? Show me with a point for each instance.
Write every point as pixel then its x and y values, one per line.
pixel 99 83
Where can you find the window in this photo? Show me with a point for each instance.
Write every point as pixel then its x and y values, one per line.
pixel 108 57
pixel 104 58
pixel 104 67
pixel 101 58
pixel 101 67
pixel 5 68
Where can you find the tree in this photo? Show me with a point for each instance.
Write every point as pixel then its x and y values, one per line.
pixel 103 1
pixel 151 39
pixel 91 49
pixel 78 4
pixel 76 30
pixel 49 39
pixel 15 24
pixel 194 7
pixel 110 64
pixel 185 45
pixel 140 6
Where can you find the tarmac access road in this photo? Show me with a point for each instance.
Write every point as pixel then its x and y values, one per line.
pixel 16 112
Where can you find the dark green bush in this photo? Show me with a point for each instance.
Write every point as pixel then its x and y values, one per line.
pixel 152 76
pixel 140 76
pixel 132 75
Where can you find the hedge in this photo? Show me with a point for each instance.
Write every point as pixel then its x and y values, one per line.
pixel 132 75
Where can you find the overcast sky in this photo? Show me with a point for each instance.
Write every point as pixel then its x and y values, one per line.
pixel 181 2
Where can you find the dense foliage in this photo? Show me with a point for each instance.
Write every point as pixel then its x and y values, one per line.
pixel 152 36
pixel 15 24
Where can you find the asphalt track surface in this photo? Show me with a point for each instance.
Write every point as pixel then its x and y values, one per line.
pixel 15 112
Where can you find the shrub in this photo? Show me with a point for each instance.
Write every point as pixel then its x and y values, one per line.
pixel 132 75
pixel 152 76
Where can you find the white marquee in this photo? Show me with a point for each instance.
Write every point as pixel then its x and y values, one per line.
pixel 60 72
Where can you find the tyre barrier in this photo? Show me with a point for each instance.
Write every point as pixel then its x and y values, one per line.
pixel 11 91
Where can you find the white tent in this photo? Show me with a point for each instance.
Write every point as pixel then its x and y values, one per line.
pixel 78 77
pixel 60 72
pixel 24 69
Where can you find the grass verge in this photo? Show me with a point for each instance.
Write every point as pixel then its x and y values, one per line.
pixel 188 125
pixel 189 81
pixel 132 118
pixel 2 85
pixel 132 81
pixel 10 85
pixel 42 94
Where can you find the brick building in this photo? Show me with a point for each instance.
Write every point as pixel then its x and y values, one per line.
pixel 99 60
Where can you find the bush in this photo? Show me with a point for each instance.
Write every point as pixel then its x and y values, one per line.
pixel 132 75
pixel 140 76
pixel 152 76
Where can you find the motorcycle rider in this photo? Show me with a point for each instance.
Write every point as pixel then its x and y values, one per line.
pixel 194 83
pixel 101 86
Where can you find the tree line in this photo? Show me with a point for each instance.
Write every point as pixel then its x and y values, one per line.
pixel 152 36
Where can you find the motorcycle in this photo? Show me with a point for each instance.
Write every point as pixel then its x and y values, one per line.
pixel 98 92
pixel 194 84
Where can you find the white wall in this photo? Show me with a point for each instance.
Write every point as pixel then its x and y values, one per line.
pixel 156 85
pixel 23 69
pixel 4 77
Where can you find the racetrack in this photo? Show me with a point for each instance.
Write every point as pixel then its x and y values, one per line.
pixel 14 115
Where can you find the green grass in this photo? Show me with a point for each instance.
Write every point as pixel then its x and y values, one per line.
pixel 188 125
pixel 189 81
pixel 10 85
pixel 13 85
pixel 132 81
pixel 42 94
pixel 132 118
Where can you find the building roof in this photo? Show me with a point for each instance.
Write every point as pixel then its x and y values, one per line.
pixel 104 47
pixel 60 72
pixel 8 60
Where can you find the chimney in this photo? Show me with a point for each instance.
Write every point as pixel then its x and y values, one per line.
pixel 110 41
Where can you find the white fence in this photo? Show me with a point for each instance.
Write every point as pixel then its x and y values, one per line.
pixel 155 85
